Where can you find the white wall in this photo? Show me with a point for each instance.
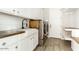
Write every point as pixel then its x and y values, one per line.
pixel 77 19
pixel 68 19
pixel 8 22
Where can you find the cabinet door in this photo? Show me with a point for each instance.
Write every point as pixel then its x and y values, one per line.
pixel 21 45
pixel 25 44
pixel 13 47
pixel 25 12
pixel 36 13
pixel 35 40
pixel 55 25
pixel 28 44
pixel 33 13
pixel 5 42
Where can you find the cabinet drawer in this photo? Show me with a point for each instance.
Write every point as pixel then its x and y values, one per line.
pixel 13 47
pixel 8 41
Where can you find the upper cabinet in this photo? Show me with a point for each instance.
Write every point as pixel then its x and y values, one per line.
pixel 12 11
pixel 46 14
pixel 34 13
pixel 25 12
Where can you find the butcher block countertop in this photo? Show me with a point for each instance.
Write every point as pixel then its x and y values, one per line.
pixel 10 33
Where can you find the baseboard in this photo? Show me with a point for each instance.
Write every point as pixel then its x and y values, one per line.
pixel 56 37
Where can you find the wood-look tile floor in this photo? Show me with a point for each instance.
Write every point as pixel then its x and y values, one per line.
pixel 53 44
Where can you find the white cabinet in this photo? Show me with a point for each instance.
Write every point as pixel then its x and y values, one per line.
pixel 29 43
pixel 21 42
pixel 8 43
pixel 25 44
pixel 13 47
pixel 25 12
pixel 12 11
pixel 35 41
pixel 36 13
pixel 33 13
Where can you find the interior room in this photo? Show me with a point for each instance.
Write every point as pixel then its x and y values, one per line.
pixel 39 29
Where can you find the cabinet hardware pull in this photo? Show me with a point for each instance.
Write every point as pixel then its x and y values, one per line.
pixel 31 38
pixel 4 43
pixel 17 11
pixel 13 10
pixel 16 47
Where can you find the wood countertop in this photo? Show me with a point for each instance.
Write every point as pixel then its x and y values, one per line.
pixel 10 33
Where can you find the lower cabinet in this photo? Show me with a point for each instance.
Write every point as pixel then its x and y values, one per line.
pixel 19 42
pixel 35 40
pixel 29 43
pixel 25 44
pixel 13 47
pixel 8 43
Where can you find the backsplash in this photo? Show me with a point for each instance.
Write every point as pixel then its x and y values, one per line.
pixel 8 22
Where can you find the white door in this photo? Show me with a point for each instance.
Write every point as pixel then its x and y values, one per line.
pixel 55 23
